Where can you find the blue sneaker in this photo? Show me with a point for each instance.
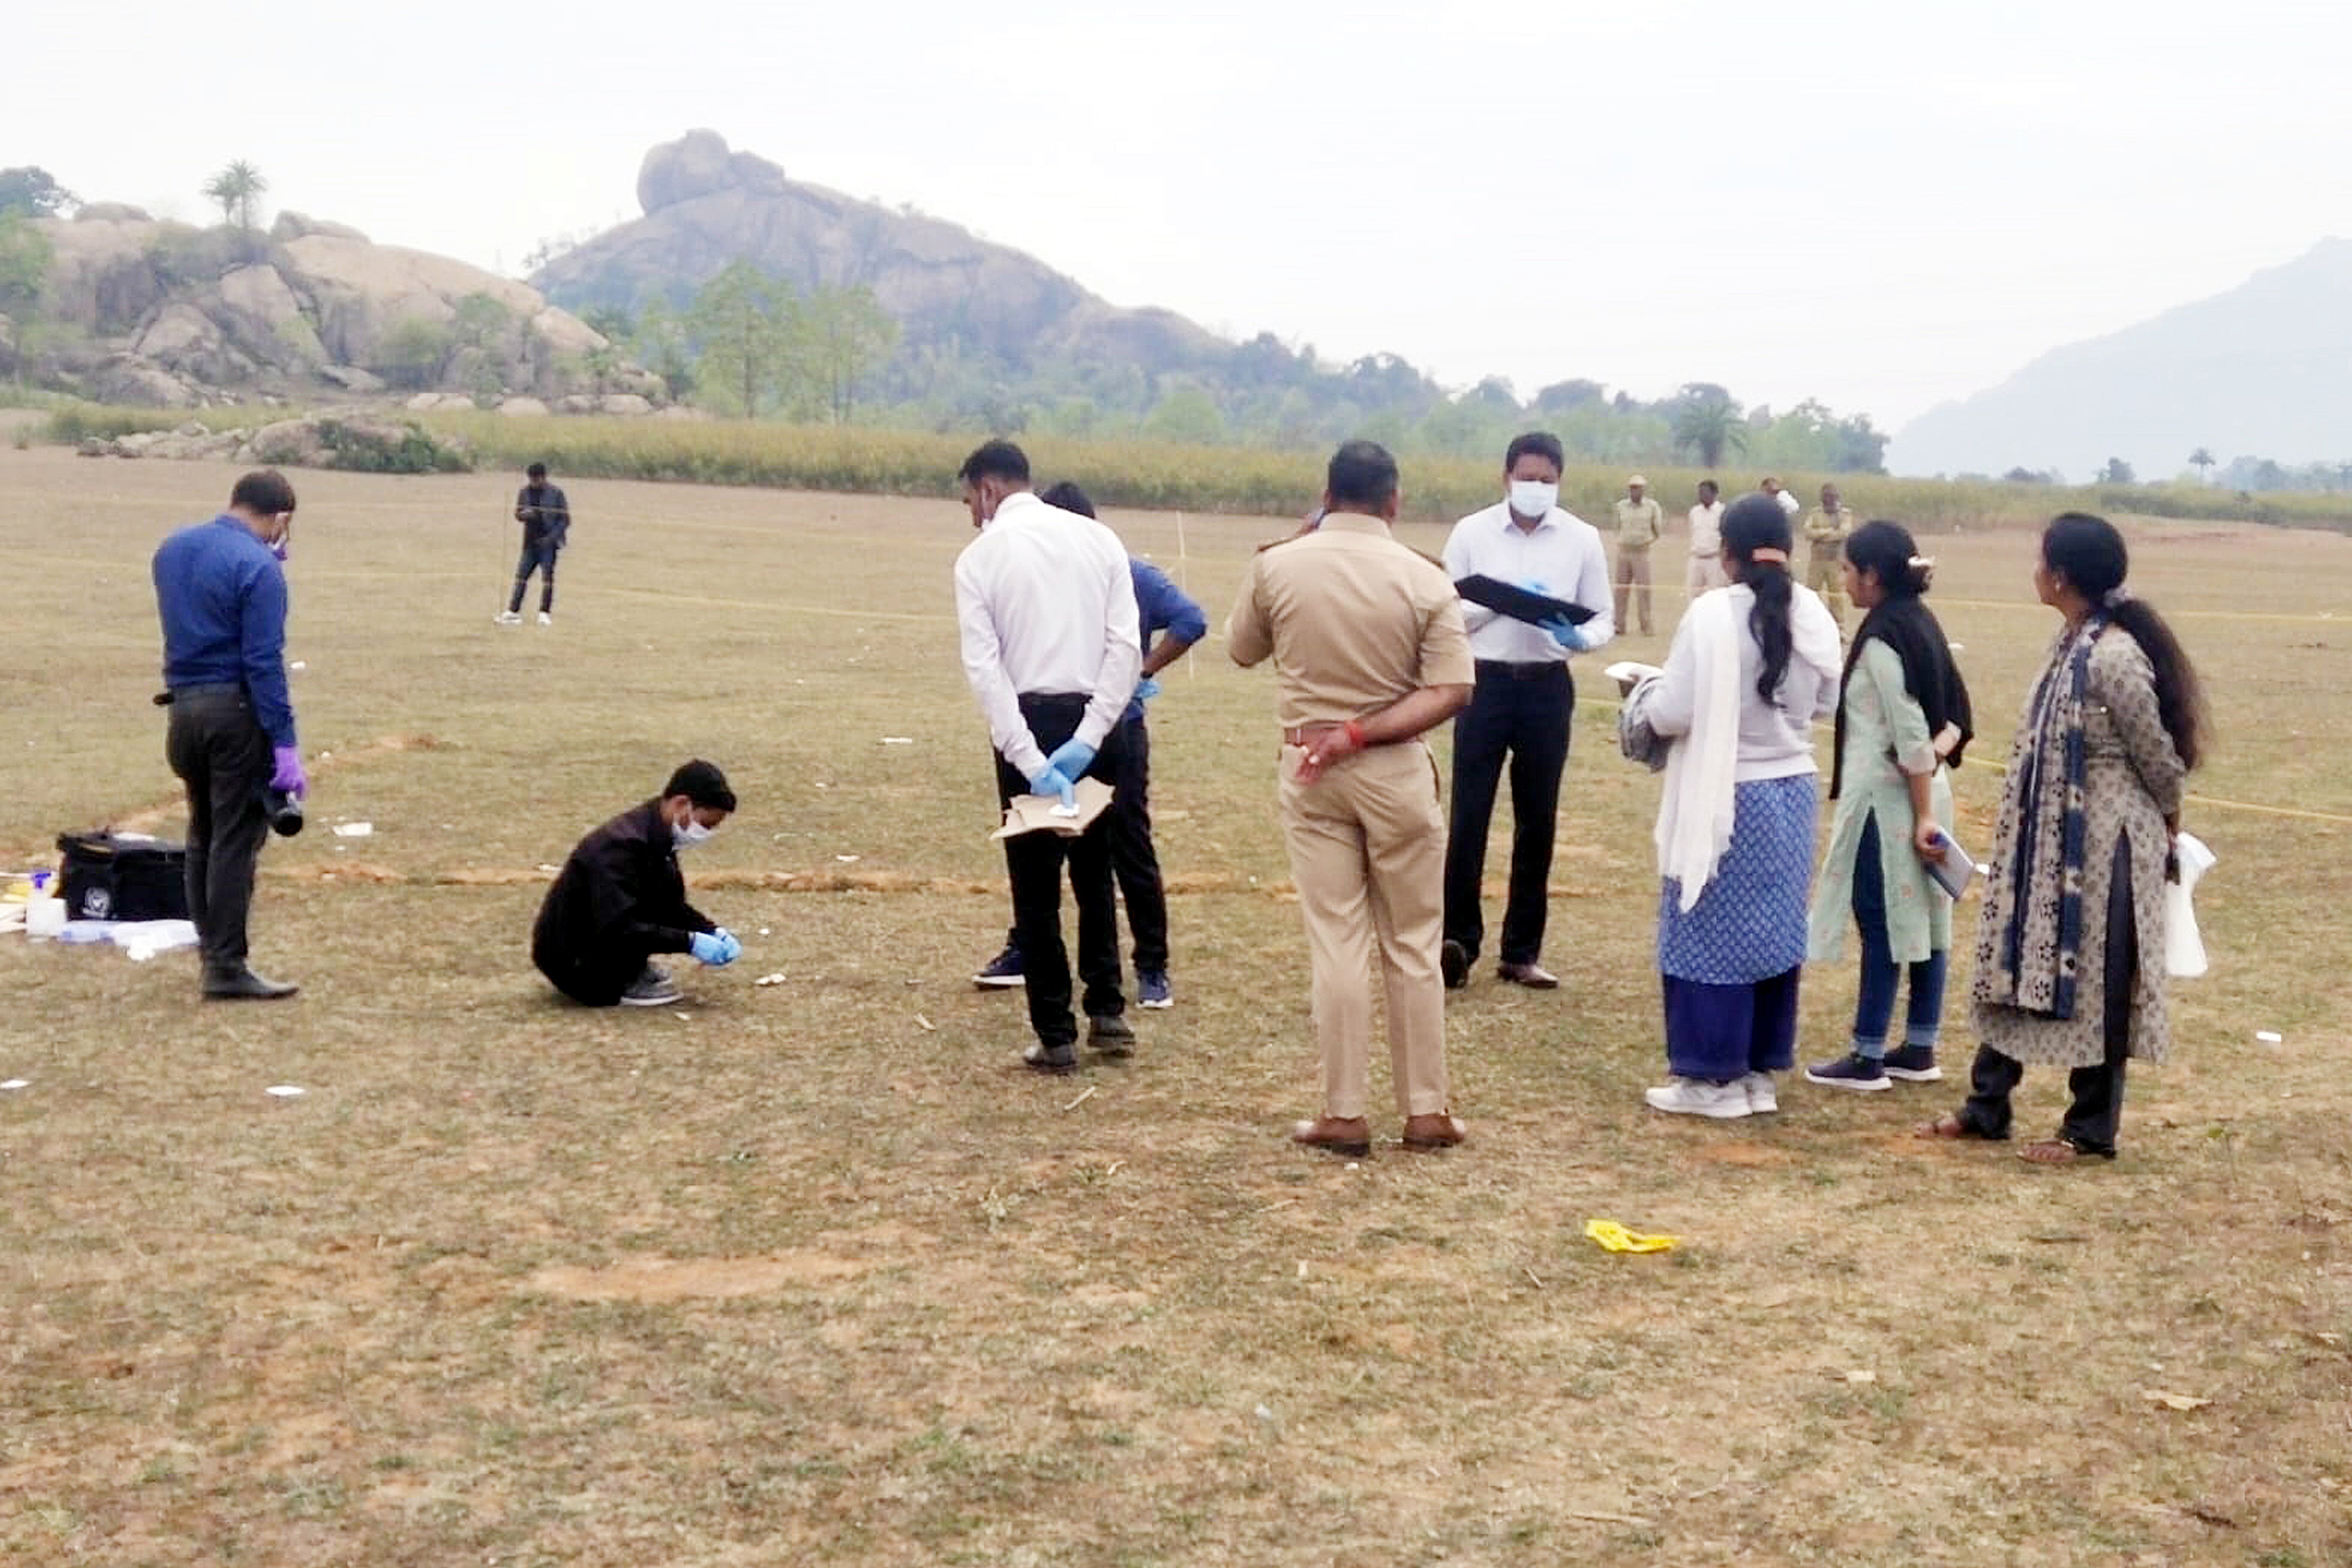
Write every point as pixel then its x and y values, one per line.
pixel 1001 972
pixel 1914 1064
pixel 1151 989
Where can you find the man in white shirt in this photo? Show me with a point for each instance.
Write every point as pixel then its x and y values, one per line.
pixel 1045 612
pixel 1705 568
pixel 1520 708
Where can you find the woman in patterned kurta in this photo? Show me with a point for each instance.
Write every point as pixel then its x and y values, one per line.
pixel 2069 947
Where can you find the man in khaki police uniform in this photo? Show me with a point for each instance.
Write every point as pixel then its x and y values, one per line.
pixel 1639 521
pixel 1825 535
pixel 1369 653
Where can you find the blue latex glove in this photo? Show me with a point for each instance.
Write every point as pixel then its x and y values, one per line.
pixel 289 775
pixel 1055 782
pixel 1072 759
pixel 1534 585
pixel 1567 633
pixel 1146 689
pixel 714 947
pixel 734 948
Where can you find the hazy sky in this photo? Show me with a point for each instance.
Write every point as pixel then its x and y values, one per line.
pixel 1879 206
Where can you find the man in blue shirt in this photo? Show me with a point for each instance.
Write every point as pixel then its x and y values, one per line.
pixel 220 589
pixel 1161 608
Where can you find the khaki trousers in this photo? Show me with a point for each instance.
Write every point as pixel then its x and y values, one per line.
pixel 1704 573
pixel 1822 576
pixel 1367 854
pixel 1633 569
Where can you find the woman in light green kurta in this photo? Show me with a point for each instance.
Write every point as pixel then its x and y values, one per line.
pixel 1902 713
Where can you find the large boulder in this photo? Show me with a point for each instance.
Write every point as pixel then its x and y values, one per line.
pixel 262 316
pixel 183 339
pixel 522 407
pixel 628 402
pixel 295 225
pixel 295 443
pixel 696 164
pixel 134 381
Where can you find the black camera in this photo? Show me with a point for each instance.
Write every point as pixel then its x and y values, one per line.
pixel 285 812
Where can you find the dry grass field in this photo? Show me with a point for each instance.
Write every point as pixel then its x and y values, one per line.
pixel 814 1273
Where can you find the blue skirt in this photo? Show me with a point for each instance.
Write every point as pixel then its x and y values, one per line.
pixel 1749 923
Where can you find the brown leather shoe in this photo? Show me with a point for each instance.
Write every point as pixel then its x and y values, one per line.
pixel 1352 1136
pixel 1534 976
pixel 1440 1130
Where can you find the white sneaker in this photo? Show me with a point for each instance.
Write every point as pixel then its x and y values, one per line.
pixel 508 619
pixel 545 619
pixel 1763 1097
pixel 1697 1097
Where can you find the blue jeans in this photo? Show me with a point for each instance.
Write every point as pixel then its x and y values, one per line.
pixel 1874 1005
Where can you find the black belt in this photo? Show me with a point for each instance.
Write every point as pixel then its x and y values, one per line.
pixel 1507 670
pixel 208 688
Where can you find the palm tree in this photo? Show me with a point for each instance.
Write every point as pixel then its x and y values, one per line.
pixel 236 188
pixel 2200 460
pixel 1709 423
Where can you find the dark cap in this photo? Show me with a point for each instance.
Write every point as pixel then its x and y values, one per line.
pixel 703 783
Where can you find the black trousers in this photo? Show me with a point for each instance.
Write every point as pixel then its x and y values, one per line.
pixel 1517 713
pixel 1035 862
pixel 1134 863
pixel 222 758
pixel 2096 1109
pixel 596 977
pixel 535 558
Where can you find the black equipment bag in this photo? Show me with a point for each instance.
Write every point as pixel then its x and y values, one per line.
pixel 110 877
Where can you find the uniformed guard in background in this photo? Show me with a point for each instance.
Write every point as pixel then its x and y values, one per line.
pixel 1369 653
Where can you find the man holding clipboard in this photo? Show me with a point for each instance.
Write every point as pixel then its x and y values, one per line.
pixel 1535 585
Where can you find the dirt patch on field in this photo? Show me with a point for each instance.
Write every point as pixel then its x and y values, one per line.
pixel 656 1279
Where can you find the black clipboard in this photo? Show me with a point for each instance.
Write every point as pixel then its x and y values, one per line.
pixel 1520 603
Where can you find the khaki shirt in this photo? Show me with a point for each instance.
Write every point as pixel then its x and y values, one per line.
pixel 1639 522
pixel 1353 620
pixel 1825 533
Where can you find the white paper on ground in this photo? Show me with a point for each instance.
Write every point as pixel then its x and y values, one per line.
pixel 353 829
pixel 284 1090
pixel 15 1083
pixel 142 940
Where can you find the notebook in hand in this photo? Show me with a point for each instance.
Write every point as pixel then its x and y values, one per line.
pixel 1953 870
pixel 1520 603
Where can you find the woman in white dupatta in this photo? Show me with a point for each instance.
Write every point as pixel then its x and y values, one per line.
pixel 1751 668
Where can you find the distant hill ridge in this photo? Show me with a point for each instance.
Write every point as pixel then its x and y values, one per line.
pixel 2264 369
pixel 706 206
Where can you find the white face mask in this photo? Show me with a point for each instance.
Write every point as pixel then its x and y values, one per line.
pixel 691 832
pixel 1533 498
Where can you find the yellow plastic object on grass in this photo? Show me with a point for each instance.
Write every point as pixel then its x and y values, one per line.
pixel 1615 1238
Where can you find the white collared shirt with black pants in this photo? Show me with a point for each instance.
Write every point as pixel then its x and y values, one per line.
pixel 1519 715
pixel 1046 614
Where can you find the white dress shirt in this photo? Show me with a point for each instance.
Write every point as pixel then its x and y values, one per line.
pixel 1045 604
pixel 1562 557
pixel 1706 530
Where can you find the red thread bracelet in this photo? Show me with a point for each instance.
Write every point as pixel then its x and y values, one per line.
pixel 1356 735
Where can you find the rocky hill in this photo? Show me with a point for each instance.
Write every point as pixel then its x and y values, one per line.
pixel 2265 370
pixel 168 315
pixel 706 206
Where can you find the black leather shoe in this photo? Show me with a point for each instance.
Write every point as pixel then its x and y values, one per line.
pixel 1111 1034
pixel 244 986
pixel 1057 1061
pixel 1534 976
pixel 1454 962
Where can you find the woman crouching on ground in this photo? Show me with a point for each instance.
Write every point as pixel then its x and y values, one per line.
pixel 1751 668
pixel 1902 717
pixel 2070 968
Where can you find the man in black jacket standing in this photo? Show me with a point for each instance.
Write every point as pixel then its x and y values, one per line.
pixel 620 899
pixel 546 519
